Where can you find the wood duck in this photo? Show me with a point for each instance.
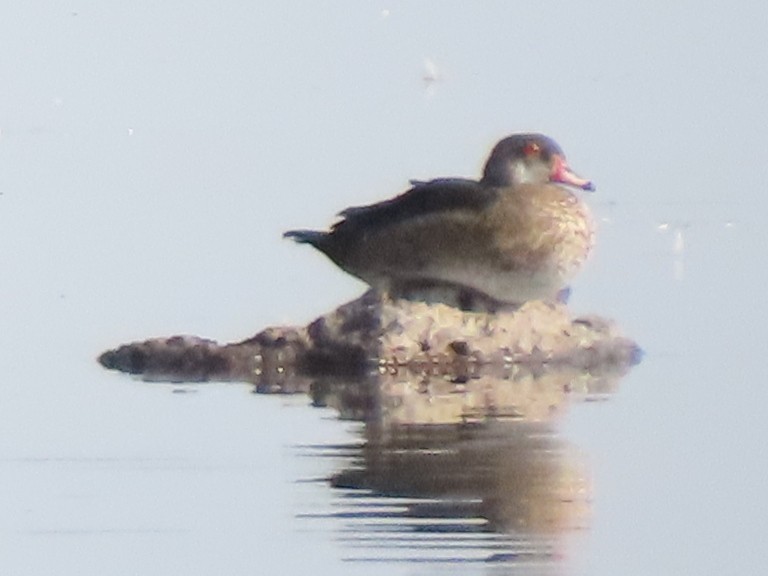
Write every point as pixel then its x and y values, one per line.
pixel 517 234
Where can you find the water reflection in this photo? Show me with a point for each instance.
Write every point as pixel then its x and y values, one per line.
pixel 678 231
pixel 467 471
pixel 440 492
pixel 458 457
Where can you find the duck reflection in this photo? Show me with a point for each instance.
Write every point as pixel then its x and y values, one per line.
pixel 512 476
pixel 472 470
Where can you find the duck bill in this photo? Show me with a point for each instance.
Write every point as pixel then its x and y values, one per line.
pixel 563 174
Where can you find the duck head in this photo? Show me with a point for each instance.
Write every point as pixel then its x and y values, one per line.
pixel 530 159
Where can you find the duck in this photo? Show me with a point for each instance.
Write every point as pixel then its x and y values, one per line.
pixel 519 233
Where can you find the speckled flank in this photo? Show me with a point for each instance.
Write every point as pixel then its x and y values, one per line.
pixel 574 235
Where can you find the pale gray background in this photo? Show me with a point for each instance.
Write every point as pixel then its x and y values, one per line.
pixel 152 153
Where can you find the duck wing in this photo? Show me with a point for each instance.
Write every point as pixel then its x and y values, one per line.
pixel 423 199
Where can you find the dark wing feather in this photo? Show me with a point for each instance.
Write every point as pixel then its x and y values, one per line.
pixel 423 199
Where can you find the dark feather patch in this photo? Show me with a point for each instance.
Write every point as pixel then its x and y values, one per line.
pixel 434 196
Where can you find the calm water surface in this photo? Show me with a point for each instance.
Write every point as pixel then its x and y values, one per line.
pixel 152 155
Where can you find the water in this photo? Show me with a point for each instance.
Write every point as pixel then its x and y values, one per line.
pixel 151 156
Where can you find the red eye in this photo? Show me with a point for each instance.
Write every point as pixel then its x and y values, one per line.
pixel 531 149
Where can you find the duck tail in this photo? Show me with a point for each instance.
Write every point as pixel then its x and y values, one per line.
pixel 311 237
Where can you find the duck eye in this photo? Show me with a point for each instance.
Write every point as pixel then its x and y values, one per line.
pixel 531 149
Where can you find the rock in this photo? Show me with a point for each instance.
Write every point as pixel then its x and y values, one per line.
pixel 375 333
